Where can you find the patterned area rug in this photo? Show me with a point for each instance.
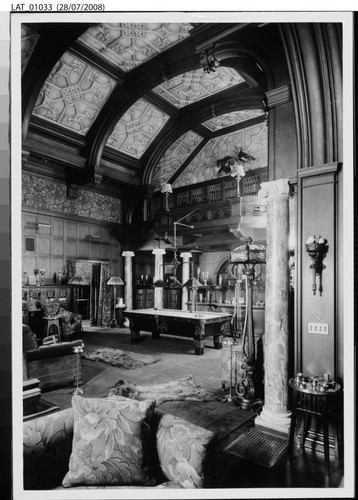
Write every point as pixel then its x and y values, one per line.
pixel 259 447
pixel 118 358
pixel 184 389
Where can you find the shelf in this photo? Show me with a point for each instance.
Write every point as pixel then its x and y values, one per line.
pixel 222 304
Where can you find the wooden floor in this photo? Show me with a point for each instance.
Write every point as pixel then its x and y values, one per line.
pixel 305 469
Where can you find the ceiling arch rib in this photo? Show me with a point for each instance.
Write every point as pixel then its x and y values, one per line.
pixel 240 97
pixel 203 167
pixel 228 130
pixel 142 122
pixel 168 64
pixel 138 82
pixel 165 79
pixel 128 45
pixel 175 156
pixel 199 164
pixel 52 42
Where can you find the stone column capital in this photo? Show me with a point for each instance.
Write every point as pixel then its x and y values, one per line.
pixel 158 251
pixel 128 254
pixel 272 189
pixel 186 256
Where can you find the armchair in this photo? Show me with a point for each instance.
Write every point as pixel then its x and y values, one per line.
pixel 53 365
pixel 70 323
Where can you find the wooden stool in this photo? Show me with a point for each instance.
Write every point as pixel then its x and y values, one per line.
pixel 307 404
pixel 52 322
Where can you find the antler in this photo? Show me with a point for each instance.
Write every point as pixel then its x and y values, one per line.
pixel 244 157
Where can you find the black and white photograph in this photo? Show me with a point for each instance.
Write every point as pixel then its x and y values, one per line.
pixel 182 252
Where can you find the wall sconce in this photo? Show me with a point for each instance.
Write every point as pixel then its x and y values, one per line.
pixel 317 250
pixel 166 189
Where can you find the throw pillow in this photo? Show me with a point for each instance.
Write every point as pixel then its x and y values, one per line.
pixel 109 442
pixel 182 449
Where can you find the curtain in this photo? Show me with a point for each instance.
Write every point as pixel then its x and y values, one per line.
pixel 104 296
pixel 95 287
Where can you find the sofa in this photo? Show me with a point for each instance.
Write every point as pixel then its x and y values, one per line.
pixel 57 447
pixel 53 365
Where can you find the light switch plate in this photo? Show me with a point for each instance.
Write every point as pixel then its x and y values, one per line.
pixel 318 328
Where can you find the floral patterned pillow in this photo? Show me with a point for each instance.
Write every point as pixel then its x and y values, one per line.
pixel 109 447
pixel 182 450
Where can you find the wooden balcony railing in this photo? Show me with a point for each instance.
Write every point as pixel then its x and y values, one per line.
pixel 215 191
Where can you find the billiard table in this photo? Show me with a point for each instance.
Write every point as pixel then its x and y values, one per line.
pixel 195 324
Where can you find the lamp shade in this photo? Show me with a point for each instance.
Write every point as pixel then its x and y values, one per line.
pixel 159 284
pixel 249 253
pixel 192 282
pixel 174 282
pixel 77 280
pixel 115 280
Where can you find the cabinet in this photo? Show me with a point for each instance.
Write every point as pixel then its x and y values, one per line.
pixel 222 299
pixel 172 298
pixel 81 300
pixel 35 297
pixel 144 297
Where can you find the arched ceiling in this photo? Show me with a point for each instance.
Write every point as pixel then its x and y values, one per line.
pixel 133 104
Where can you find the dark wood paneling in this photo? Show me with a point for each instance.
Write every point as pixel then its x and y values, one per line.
pixel 317 204
pixel 66 238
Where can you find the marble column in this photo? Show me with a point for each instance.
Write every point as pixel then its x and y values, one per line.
pixel 186 256
pixel 158 275
pixel 274 415
pixel 128 279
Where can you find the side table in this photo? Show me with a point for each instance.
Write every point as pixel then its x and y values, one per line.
pixel 308 403
pixel 119 314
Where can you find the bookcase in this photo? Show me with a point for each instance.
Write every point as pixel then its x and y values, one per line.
pixel 33 296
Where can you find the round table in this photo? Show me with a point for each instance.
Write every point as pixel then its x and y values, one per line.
pixel 308 403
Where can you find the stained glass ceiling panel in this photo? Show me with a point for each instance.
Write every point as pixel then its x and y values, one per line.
pixel 252 140
pixel 128 45
pixel 229 119
pixel 137 128
pixel 194 85
pixel 175 156
pixel 73 94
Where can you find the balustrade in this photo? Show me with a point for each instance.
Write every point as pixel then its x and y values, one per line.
pixel 217 190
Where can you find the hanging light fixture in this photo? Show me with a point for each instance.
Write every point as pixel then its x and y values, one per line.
pixel 174 282
pixel 208 60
